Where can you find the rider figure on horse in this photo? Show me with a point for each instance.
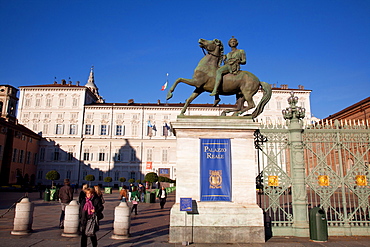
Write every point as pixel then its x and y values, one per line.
pixel 232 63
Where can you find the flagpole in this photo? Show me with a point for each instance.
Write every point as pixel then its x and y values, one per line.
pixel 167 87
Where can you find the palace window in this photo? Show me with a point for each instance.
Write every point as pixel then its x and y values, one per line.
pixel 42 154
pixel 88 129
pixel 45 129
pixel 15 153
pixel 101 156
pixel 133 155
pixel 61 102
pixel 28 158
pixel 149 154
pixel 73 129
pixel 59 129
pixel 56 154
pixel 86 155
pixel 104 130
pixel 48 102
pixel 74 102
pixel 116 175
pixel 21 153
pixel 40 174
pixel 164 155
pixel 120 130
pixel 70 155
pixel 134 130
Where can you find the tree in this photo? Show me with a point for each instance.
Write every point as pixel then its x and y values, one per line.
pixel 90 178
pixel 52 175
pixel 161 179
pixel 131 180
pixel 151 177
pixel 108 180
pixel 122 180
pixel 138 181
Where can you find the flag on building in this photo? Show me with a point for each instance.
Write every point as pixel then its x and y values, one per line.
pixel 166 129
pixel 150 129
pixel 164 86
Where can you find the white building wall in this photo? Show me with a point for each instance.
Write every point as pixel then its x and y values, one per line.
pixel 82 152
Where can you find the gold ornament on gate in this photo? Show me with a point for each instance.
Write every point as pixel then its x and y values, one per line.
pixel 323 180
pixel 215 179
pixel 361 180
pixel 273 180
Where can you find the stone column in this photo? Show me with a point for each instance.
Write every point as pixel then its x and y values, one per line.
pixel 71 220
pixel 299 194
pixel 23 217
pixel 122 221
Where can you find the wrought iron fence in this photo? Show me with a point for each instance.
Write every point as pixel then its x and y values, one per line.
pixel 274 195
pixel 336 157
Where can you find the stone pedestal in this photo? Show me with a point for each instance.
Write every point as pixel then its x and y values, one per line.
pixel 237 221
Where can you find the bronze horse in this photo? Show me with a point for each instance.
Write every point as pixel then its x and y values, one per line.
pixel 244 84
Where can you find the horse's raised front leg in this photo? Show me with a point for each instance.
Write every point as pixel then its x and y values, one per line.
pixel 195 94
pixel 187 81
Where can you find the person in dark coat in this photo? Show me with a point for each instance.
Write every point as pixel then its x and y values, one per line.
pixel 65 196
pixel 82 194
pixel 91 205
pixel 162 195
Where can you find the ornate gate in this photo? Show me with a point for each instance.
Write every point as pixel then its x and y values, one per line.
pixel 337 157
pixel 323 166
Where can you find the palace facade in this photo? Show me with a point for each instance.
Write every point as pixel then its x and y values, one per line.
pixel 81 134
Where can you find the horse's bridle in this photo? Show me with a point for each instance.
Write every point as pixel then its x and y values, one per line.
pixel 210 53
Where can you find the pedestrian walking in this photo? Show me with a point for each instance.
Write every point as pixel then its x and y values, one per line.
pixel 123 194
pixel 141 190
pixel 82 194
pixel 134 199
pixel 162 195
pixel 90 207
pixel 65 197
pixel 99 193
pixel 130 191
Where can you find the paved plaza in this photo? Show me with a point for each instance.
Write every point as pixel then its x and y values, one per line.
pixel 149 228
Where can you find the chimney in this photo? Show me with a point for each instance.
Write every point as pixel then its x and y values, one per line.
pixel 64 82
pixel 77 83
pixel 300 87
pixel 284 86
pixel 130 101
pixel 158 102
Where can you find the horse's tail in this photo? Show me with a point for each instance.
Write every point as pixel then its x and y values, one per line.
pixel 265 99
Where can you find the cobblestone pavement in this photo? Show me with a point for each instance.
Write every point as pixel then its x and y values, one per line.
pixel 149 228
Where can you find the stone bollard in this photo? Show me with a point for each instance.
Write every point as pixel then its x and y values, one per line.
pixel 23 217
pixel 122 221
pixel 71 220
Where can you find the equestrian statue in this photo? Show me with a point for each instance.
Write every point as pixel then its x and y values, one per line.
pixel 210 76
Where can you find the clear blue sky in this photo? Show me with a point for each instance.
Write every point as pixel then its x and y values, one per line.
pixel 323 45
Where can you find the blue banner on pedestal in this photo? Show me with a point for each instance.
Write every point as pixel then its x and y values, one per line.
pixel 215 170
